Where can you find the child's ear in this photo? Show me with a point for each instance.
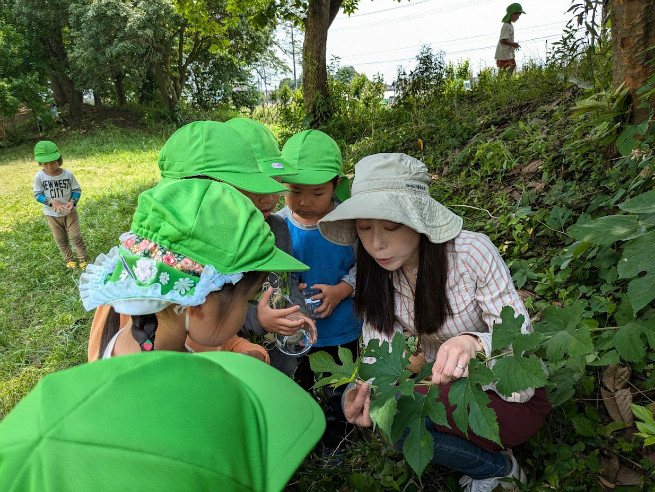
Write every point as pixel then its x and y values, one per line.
pixel 338 182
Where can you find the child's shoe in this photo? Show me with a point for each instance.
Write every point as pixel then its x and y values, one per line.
pixel 488 484
pixel 71 265
pixel 82 264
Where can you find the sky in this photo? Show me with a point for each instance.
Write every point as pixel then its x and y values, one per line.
pixel 383 34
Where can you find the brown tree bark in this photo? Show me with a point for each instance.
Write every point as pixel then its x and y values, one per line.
pixel 633 30
pixel 320 15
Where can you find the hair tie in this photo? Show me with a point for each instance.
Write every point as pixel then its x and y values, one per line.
pixel 143 331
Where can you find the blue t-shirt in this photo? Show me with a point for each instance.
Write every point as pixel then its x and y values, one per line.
pixel 328 264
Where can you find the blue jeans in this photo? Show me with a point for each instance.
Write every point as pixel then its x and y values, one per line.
pixel 463 456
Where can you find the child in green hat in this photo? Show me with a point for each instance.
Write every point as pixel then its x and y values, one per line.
pixel 183 269
pixel 506 46
pixel 209 149
pixel 165 421
pixel 58 190
pixel 332 267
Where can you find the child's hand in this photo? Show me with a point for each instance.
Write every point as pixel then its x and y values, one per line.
pixel 274 320
pixel 331 296
pixel 256 354
pixel 301 287
pixel 58 206
pixel 69 206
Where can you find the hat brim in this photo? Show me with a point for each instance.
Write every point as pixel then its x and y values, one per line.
pixel 277 167
pixel 280 261
pixel 310 177
pixel 258 183
pixel 48 157
pixel 143 409
pixel 419 212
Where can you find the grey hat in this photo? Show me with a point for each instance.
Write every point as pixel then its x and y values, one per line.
pixel 393 187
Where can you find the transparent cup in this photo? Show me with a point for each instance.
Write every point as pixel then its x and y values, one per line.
pixel 310 304
pixel 301 341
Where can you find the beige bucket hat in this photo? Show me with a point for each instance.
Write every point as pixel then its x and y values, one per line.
pixel 393 187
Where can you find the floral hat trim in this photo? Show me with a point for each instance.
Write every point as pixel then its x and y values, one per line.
pixel 148 249
pixel 140 284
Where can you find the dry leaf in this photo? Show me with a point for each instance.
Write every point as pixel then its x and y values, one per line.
pixel 532 167
pixel 627 476
pixel 515 195
pixel 611 405
pixel 605 483
pixel 610 468
pixel 623 399
pixel 616 376
pixel 525 294
pixel 416 361
pixel 536 185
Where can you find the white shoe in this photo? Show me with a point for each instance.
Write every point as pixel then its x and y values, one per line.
pixel 488 484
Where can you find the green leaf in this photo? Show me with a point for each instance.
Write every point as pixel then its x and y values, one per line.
pixel 567 333
pixel 641 204
pixel 628 340
pixel 383 410
pixel 626 141
pixel 606 230
pixel 338 374
pixel 518 373
pixel 389 366
pixel 505 331
pixel 471 403
pixel 584 426
pixel 638 256
pixel 418 447
pixel 641 291
pixel 413 410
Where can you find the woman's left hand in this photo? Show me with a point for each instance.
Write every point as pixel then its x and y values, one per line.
pixel 453 359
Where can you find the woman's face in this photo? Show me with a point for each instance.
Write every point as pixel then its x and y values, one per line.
pixel 390 244
pixel 205 330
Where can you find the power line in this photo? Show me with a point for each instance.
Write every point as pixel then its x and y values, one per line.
pixel 531 30
pixel 412 4
pixel 461 5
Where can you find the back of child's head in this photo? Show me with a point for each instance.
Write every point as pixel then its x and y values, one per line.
pixel 264 145
pixel 215 150
pixel 46 151
pixel 188 238
pixel 211 421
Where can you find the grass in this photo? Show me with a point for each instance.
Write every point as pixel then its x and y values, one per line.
pixel 43 326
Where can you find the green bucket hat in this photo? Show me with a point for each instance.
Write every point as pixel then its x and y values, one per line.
pixel 264 145
pixel 514 8
pixel 216 150
pixel 188 238
pixel 162 421
pixel 318 158
pixel 46 151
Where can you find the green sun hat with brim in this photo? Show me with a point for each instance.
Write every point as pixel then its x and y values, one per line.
pixel 218 151
pixel 188 238
pixel 264 145
pixel 160 421
pixel 514 8
pixel 317 156
pixel 46 151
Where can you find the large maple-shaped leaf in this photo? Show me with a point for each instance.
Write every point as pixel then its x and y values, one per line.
pixel 629 343
pixel 504 332
pixel 606 230
pixel 517 373
pixel 337 374
pixel 567 334
pixel 389 376
pixel 472 410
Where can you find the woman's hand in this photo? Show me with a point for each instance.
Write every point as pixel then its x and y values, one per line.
pixel 356 405
pixel 330 297
pixel 453 358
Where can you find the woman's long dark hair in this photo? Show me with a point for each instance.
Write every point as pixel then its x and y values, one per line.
pixel 144 326
pixel 374 294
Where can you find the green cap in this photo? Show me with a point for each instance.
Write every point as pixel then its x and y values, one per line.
pixel 160 421
pixel 514 8
pixel 317 156
pixel 214 149
pixel 192 237
pixel 264 145
pixel 46 151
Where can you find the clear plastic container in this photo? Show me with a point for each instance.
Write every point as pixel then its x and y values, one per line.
pixel 301 341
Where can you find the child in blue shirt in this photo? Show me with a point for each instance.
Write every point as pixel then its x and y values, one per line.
pixel 313 193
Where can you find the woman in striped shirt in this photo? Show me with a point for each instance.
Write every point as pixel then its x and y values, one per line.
pixel 420 274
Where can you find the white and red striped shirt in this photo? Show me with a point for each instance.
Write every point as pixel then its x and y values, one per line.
pixel 479 285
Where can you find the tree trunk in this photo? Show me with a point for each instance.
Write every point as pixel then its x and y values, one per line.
pixel 97 100
pixel 120 90
pixel 320 14
pixel 58 92
pixel 633 30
